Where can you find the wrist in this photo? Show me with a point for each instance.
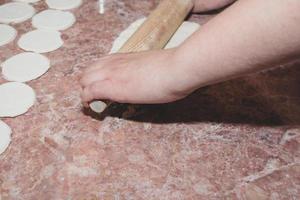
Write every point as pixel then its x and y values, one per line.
pixel 184 69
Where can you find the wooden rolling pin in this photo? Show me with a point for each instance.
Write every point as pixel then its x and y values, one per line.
pixel 154 33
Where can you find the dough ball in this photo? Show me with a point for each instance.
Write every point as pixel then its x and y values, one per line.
pixel 63 4
pixel 40 41
pixel 7 33
pixel 183 32
pixel 16 99
pixel 25 67
pixel 15 12
pixel 5 136
pixel 98 106
pixel 53 20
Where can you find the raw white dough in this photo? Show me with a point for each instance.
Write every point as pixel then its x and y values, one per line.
pixel 126 34
pixel 40 41
pixel 53 20
pixel 98 106
pixel 15 12
pixel 16 99
pixel 7 33
pixel 5 136
pixel 28 1
pixel 183 32
pixel 63 4
pixel 25 67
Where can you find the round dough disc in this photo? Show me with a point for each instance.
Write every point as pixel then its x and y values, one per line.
pixel 63 4
pixel 5 136
pixel 25 67
pixel 16 99
pixel 15 12
pixel 7 33
pixel 40 41
pixel 183 32
pixel 53 20
pixel 28 1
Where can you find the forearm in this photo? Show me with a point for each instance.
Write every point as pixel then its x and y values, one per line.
pixel 249 36
pixel 208 5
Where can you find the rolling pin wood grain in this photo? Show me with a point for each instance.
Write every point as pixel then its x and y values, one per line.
pixel 155 32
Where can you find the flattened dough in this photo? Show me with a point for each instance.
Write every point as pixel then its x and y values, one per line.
pixel 5 136
pixel 25 67
pixel 40 41
pixel 63 4
pixel 15 12
pixel 16 99
pixel 183 32
pixel 53 20
pixel 7 33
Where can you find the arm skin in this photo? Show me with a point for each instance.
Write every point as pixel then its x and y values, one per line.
pixel 249 36
pixel 208 5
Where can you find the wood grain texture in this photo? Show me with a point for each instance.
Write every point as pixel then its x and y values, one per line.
pixel 159 27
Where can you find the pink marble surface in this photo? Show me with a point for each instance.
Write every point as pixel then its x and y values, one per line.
pixel 235 140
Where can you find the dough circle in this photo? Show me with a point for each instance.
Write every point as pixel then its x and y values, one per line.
pixel 7 33
pixel 15 12
pixel 28 1
pixel 63 4
pixel 5 136
pixel 25 67
pixel 40 41
pixel 16 99
pixel 53 20
pixel 183 32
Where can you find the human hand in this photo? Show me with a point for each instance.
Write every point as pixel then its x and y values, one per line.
pixel 145 77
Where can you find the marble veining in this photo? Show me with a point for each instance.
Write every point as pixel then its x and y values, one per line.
pixel 235 140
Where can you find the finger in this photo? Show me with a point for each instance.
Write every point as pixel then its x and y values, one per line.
pixel 97 90
pixel 102 62
pixel 110 60
pixel 95 66
pixel 98 71
pixel 80 92
pixel 89 78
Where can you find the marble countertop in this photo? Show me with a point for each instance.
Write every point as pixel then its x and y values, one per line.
pixel 235 140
